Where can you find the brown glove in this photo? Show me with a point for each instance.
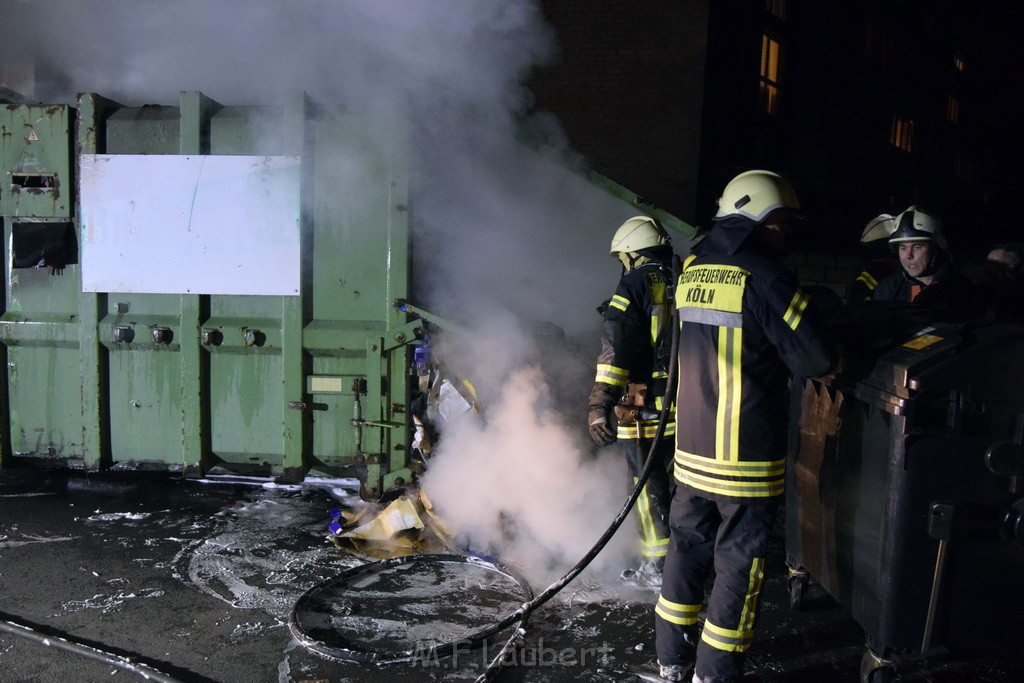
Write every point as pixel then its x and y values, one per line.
pixel 603 398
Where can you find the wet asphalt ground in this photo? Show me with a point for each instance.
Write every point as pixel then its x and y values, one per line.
pixel 187 581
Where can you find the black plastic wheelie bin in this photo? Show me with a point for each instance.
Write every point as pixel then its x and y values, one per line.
pixel 905 494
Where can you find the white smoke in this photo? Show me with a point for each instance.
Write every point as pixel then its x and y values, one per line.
pixel 524 488
pixel 506 241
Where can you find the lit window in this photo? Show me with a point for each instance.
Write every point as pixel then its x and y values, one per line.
pixel 958 61
pixel 953 110
pixel 771 56
pixel 902 133
pixel 777 8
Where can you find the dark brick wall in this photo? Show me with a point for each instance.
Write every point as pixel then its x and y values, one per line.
pixel 628 88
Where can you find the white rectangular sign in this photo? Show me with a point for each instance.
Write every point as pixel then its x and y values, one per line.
pixel 190 224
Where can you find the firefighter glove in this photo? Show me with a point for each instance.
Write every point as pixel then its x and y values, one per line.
pixel 600 429
pixel 603 398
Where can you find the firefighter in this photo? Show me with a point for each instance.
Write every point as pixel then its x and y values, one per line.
pixel 745 327
pixel 928 276
pixel 882 263
pixel 1003 286
pixel 629 387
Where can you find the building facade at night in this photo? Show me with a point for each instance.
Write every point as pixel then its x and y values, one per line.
pixel 867 106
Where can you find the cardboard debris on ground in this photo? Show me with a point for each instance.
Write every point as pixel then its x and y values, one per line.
pixel 406 526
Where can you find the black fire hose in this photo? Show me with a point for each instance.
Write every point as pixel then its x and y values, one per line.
pixel 94 653
pixel 523 613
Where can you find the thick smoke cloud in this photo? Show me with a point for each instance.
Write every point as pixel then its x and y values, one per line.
pixel 369 54
pixel 506 241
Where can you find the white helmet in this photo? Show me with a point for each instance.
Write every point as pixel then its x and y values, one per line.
pixel 914 225
pixel 878 228
pixel 639 232
pixel 755 194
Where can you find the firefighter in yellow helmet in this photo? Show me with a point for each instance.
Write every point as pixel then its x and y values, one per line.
pixel 629 387
pixel 745 329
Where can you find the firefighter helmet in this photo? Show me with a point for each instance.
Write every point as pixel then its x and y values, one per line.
pixel 878 228
pixel 914 225
pixel 755 194
pixel 639 232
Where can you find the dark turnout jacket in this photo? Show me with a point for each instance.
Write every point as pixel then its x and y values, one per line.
pixel 950 291
pixel 634 333
pixel 745 329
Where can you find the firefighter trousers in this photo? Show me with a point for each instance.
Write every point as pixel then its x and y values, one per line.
pixel 652 507
pixel 732 538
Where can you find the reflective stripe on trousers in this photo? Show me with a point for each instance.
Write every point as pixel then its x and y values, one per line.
pixel 653 505
pixel 733 538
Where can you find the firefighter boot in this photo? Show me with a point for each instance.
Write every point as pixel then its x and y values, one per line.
pixel 647 576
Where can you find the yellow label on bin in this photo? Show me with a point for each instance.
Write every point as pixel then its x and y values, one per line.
pixel 921 342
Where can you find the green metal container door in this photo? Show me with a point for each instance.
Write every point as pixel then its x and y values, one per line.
pixel 39 323
pixel 266 384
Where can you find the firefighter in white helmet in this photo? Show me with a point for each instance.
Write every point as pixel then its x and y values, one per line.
pixel 928 276
pixel 881 264
pixel 629 387
pixel 745 329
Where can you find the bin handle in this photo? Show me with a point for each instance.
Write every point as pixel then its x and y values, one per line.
pixel 1005 458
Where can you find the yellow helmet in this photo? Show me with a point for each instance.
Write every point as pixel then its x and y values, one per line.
pixel 755 194
pixel 639 232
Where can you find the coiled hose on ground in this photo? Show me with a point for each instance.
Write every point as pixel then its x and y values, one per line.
pixel 521 616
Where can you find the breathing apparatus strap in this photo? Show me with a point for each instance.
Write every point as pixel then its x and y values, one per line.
pixel 663 348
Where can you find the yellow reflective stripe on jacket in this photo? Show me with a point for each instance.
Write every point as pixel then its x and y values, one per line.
pixel 619 302
pixel 868 280
pixel 795 312
pixel 755 479
pixel 730 391
pixel 648 429
pixel 657 304
pixel 729 487
pixel 609 374
pixel 743 468
pixel 676 613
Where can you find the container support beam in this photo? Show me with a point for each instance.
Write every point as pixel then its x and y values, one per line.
pixel 294 312
pixel 195 369
pixel 91 306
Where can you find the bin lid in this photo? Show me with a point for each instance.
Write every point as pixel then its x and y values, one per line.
pixel 984 370
pixel 897 352
pixel 893 379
